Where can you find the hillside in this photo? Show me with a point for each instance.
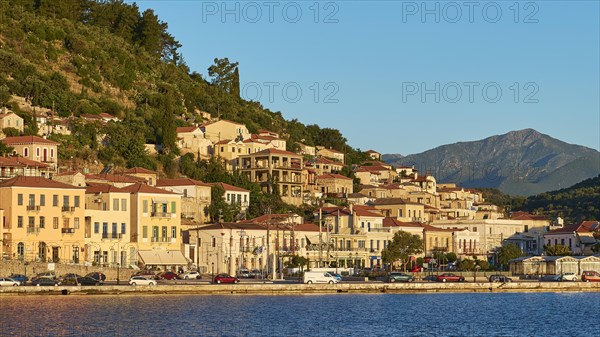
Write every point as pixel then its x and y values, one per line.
pixel 86 57
pixel 523 162
pixel 574 204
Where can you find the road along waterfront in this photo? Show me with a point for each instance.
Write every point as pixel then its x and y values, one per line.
pixel 459 314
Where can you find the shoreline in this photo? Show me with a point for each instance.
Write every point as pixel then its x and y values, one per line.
pixel 306 289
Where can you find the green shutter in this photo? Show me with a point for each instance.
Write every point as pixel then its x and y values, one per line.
pixel 173 207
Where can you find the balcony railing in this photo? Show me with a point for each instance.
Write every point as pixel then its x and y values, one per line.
pixel 33 230
pixel 378 230
pixel 111 235
pixel 68 230
pixel 161 239
pixel 160 215
pixel 33 208
pixel 68 209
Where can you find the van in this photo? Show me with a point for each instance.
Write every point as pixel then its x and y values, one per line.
pixel 319 277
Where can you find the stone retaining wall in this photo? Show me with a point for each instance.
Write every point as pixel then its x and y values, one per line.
pixel 299 289
pixel 18 267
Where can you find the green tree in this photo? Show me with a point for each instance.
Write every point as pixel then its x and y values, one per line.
pixel 10 132
pixel 401 247
pixel 557 250
pixel 225 75
pixel 5 150
pixel 508 252
pixel 451 257
pixel 219 209
pixel 466 265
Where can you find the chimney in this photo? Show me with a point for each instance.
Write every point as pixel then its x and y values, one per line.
pixel 351 209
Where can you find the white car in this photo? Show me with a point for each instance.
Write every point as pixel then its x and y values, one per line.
pixel 142 281
pixel 567 277
pixel 8 282
pixel 190 275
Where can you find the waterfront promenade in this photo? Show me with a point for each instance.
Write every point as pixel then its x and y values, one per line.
pixel 306 289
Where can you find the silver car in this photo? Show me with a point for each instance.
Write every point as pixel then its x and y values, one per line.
pixel 8 282
pixel 566 277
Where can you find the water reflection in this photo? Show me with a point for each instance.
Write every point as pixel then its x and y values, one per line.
pixel 323 315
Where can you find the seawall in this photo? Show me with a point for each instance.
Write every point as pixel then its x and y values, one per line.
pixel 306 289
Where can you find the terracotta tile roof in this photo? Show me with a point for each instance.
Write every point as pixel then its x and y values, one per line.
pixel 270 217
pixel 394 201
pixel 2 115
pixel 331 150
pixel 420 179
pixel 373 151
pixel 164 182
pixel 107 115
pixel 221 120
pixel 185 129
pixel 67 173
pixel 263 137
pixel 144 188
pixel 228 187
pixel 373 168
pixel 393 222
pixel 20 162
pixel 333 176
pixel 139 170
pixel 23 181
pixel 323 160
pixel 116 178
pixel 357 195
pixel 519 215
pixel 27 140
pixel 93 188
pixel 436 229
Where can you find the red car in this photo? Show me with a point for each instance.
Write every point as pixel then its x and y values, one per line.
pixel 449 277
pixel 168 275
pixel 225 278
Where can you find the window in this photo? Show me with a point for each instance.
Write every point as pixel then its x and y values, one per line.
pixel 20 199
pixel 32 200
pixel 362 224
pixel 104 227
pixel 51 153
pixel 42 200
pixel 114 228
pixel 361 243
pixel 154 232
pixel 20 221
pixel 76 223
pixel 31 221
pixel 185 193
pixel 115 204
pixel 526 228
pixel 145 232
pixel 96 227
pixel 55 200
pixel 562 242
pixel 55 222
pixel 37 151
pixel 123 228
pixel 42 222
pixel 173 232
pixel 570 243
pixel 26 152
pixel 21 249
pixel 124 205
pixel 65 201
pixel 214 242
pixel 173 207
pixel 66 222
pixel 145 206
pixel 76 201
pixel 164 231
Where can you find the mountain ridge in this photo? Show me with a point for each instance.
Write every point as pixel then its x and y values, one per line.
pixel 521 162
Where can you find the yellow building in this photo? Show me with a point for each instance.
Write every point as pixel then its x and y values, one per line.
pixel 9 119
pixel 156 225
pixel 107 226
pixel 148 176
pixel 224 129
pixel 401 209
pixel 195 197
pixel 334 183
pixel 330 153
pixel 42 220
pixel 190 139
pixel 34 148
pixel 229 150
pixel 276 171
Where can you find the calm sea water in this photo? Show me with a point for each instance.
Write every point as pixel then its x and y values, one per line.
pixel 545 314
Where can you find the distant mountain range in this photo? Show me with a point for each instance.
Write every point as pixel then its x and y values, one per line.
pixel 523 162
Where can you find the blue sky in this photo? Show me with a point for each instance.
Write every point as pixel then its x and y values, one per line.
pixel 398 77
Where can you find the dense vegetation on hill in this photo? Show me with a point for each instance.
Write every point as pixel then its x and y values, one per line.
pixel 86 57
pixel 576 203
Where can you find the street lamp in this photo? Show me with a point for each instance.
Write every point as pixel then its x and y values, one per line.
pixel 118 270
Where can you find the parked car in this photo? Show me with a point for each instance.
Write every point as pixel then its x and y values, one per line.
pixel 142 281
pixel 48 274
pixel 499 278
pixel 243 273
pixel 449 277
pixel 590 276
pixel 87 281
pixel 318 277
pixel 566 277
pixel 225 278
pixel 432 278
pixel 100 277
pixel 69 279
pixel 190 275
pixel 168 275
pixel 45 281
pixel 337 276
pixel 19 277
pixel 399 277
pixel 8 282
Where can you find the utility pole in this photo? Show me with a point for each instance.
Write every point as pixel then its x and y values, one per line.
pixel 320 238
pixel 198 249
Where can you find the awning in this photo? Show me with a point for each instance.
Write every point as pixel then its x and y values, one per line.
pixel 160 201
pixel 587 240
pixel 162 258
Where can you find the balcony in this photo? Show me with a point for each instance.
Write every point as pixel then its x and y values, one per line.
pixel 33 230
pixel 33 208
pixel 378 230
pixel 161 215
pixel 68 209
pixel 161 239
pixel 111 236
pixel 68 230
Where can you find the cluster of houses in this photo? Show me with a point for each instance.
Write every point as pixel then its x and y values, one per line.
pixel 135 217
